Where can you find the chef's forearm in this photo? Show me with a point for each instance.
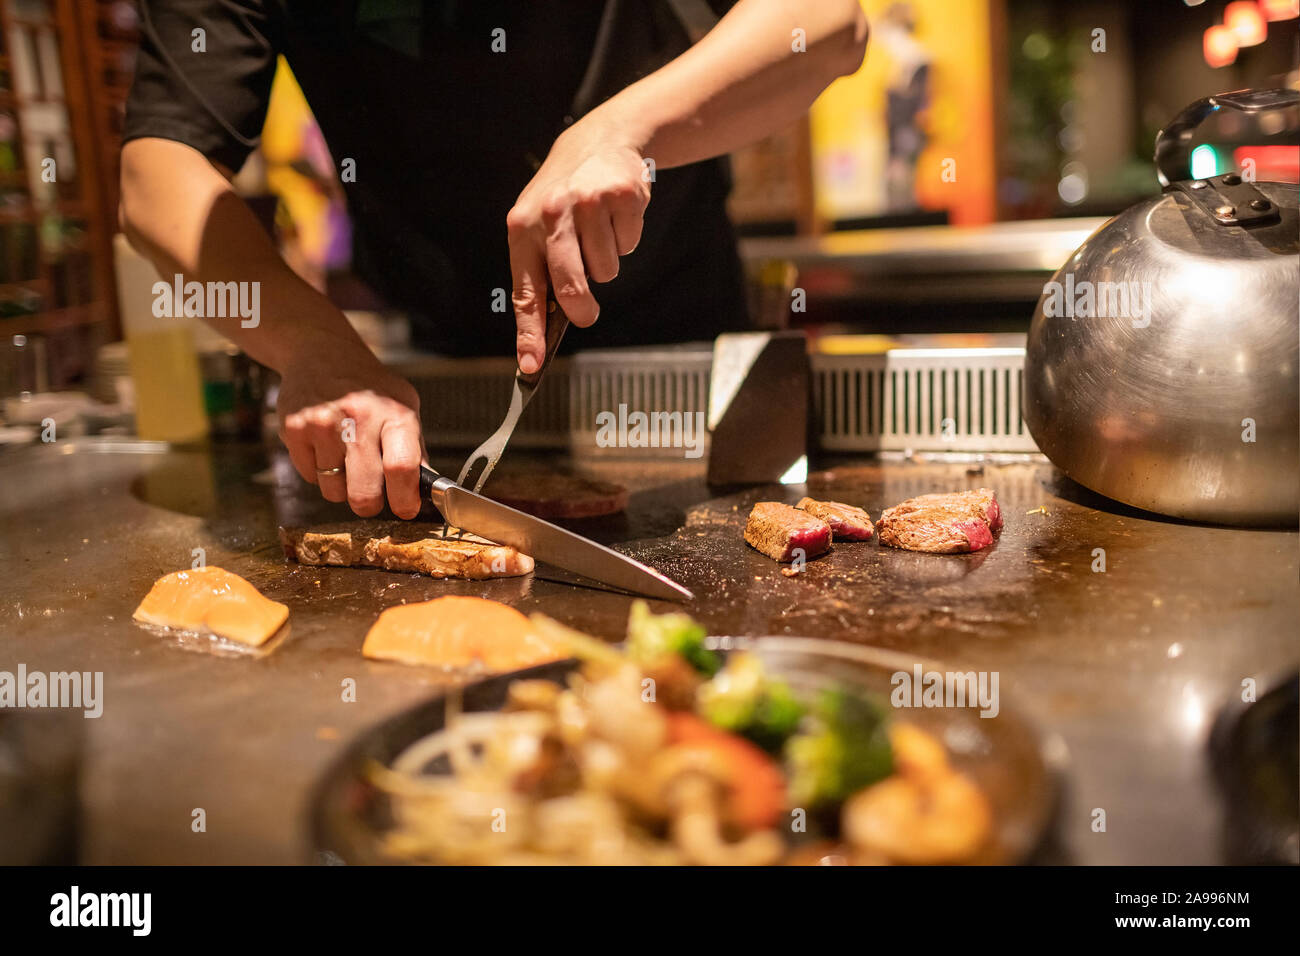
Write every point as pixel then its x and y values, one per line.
pixel 178 210
pixel 744 80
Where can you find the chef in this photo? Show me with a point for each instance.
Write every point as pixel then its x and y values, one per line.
pixel 487 149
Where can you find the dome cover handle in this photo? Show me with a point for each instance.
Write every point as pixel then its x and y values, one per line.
pixel 1173 155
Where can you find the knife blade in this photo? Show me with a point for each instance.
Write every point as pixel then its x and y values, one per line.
pixel 544 541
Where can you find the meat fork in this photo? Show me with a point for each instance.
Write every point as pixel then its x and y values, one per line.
pixel 524 388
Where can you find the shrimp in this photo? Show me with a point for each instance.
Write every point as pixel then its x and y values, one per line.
pixel 916 754
pixel 936 818
pixel 618 712
pixel 697 828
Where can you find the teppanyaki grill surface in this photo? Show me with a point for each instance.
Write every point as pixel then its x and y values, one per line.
pixel 1123 632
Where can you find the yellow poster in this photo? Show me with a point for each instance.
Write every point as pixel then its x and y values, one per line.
pixel 913 129
pixel 301 172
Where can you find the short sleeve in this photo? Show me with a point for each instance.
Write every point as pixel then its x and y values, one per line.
pixel 203 75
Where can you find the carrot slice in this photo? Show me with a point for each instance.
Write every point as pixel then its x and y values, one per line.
pixel 757 787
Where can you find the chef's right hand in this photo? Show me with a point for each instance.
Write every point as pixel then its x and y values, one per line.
pixel 353 428
pixel 580 213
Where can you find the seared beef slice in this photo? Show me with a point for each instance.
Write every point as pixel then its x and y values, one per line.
pixel 779 531
pixel 847 522
pixel 551 495
pixel 399 546
pixel 942 524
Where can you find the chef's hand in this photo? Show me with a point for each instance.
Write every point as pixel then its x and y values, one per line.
pixel 347 412
pixel 580 213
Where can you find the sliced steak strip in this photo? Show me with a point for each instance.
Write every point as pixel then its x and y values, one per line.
pixel 780 531
pixel 553 494
pixel 847 522
pixel 397 546
pixel 950 523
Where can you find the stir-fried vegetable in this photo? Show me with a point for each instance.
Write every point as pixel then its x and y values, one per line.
pixel 756 790
pixel 654 753
pixel 652 637
pixel 846 749
pixel 591 650
pixel 743 698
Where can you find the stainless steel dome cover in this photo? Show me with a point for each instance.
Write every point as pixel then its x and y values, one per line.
pixel 1182 396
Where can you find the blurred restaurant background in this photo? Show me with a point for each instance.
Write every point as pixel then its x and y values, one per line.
pixel 932 193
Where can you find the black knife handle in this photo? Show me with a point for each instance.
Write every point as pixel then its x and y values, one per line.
pixel 429 491
pixel 427 477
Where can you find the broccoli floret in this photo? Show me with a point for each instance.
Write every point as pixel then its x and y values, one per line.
pixel 652 637
pixel 846 749
pixel 776 718
pixel 744 700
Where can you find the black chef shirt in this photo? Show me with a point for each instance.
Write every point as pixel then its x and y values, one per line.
pixel 445 133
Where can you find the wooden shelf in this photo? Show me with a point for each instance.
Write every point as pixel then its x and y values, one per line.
pixel 34 23
pixel 64 208
pixel 82 214
pixel 51 320
pixel 37 284
pixel 16 100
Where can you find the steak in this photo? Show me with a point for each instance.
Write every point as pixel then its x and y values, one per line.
pixel 398 546
pixel 553 494
pixel 780 531
pixel 950 523
pixel 847 522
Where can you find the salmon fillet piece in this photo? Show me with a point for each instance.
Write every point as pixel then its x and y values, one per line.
pixel 780 531
pixel 952 523
pixel 460 632
pixel 214 601
pixel 397 546
pixel 847 522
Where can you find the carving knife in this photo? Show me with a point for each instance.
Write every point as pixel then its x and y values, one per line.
pixel 542 540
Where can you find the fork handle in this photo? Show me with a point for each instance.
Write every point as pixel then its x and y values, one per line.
pixel 556 324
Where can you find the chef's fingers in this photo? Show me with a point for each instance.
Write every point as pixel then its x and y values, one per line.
pixel 596 237
pixel 528 271
pixel 568 276
pixel 297 441
pixel 363 467
pixel 627 214
pixel 402 450
pixel 324 422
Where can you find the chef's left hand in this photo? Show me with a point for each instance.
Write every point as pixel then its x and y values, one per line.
pixel 581 212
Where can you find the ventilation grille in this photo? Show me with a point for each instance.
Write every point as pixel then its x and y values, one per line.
pixel 922 400
pixel 463 401
pixel 960 400
pixel 671 388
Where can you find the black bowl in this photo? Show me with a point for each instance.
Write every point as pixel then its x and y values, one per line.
pixel 1003 755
